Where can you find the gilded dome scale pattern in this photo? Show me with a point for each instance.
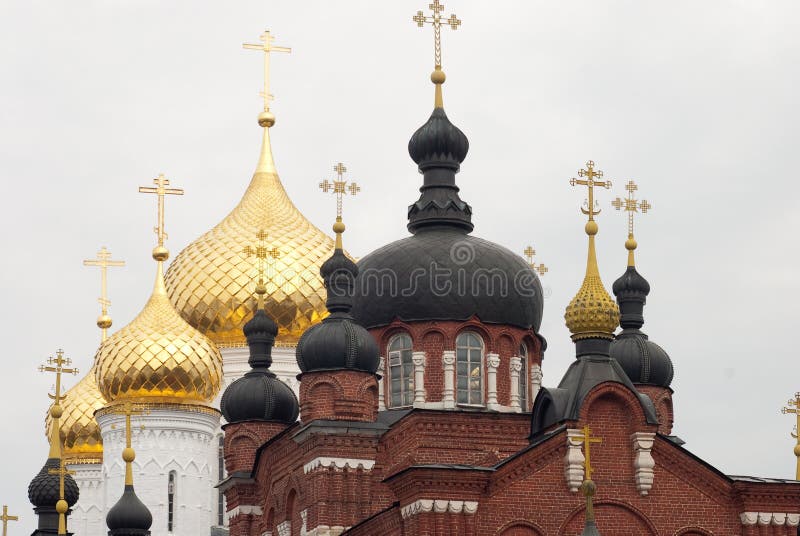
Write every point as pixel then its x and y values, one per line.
pixel 158 356
pixel 212 281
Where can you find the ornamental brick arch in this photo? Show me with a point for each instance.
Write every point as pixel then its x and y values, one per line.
pixel 475 326
pixel 612 517
pixel 520 528
pixel 693 531
pixel 620 405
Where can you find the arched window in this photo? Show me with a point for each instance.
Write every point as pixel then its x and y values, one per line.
pixel 469 368
pixel 401 371
pixel 523 377
pixel 171 485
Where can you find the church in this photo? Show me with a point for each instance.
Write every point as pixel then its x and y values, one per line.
pixel 279 387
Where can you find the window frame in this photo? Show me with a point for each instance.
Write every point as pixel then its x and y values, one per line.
pixel 470 365
pixel 523 376
pixel 406 382
pixel 172 486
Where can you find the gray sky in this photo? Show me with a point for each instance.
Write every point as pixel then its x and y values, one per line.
pixel 696 101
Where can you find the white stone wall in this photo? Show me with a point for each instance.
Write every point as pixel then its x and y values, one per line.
pixel 177 439
pixel 89 514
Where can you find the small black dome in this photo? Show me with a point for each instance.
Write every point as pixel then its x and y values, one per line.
pixel 259 394
pixel 129 517
pixel 43 491
pixel 438 143
pixel 442 273
pixel 644 361
pixel 338 342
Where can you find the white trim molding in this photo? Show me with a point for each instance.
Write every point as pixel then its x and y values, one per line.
pixel 573 460
pixel 449 390
pixel 770 518
pixel 643 462
pixel 381 393
pixel 325 530
pixel 438 506
pixel 285 528
pixel 245 509
pixel 338 463
pixel 514 368
pixel 418 359
pixel 492 363
pixel 536 377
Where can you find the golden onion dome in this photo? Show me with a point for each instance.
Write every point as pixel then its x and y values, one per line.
pixel 211 282
pixel 80 433
pixel 158 356
pixel 592 312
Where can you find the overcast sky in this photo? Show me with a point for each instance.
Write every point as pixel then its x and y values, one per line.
pixel 696 101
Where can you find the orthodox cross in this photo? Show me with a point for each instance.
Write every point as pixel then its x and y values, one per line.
pixel 631 205
pixel 340 187
pixel 590 183
pixel 587 441
pixel 267 47
pixel 61 505
pixel 104 261
pixel 794 407
pixel 58 365
pixel 435 20
pixel 263 254
pixel 160 190
pixel 529 254
pixel 5 518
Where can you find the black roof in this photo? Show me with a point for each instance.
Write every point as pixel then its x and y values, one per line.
pixel 43 491
pixel 129 516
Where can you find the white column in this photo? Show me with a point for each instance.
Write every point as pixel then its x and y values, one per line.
pixel 515 367
pixel 573 460
pixel 536 381
pixel 643 462
pixel 381 383
pixel 418 359
pixel 448 366
pixel 492 362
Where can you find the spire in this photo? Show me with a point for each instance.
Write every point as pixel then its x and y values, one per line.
pixel 793 406
pixel 266 119
pixel 591 314
pixel 104 261
pixel 438 147
pixel 129 516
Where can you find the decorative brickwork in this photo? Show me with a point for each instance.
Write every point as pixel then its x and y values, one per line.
pixel 348 395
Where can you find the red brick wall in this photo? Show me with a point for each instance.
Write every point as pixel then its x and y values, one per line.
pixel 339 395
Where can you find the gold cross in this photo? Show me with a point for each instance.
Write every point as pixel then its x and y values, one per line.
pixel 62 472
pixel 5 518
pixel 590 182
pixel 263 255
pixel 436 21
pixel 587 441
pixel 160 190
pixel 794 407
pixel 529 254
pixel 104 261
pixel 267 47
pixel 340 187
pixel 127 409
pixel 59 365
pixel 631 205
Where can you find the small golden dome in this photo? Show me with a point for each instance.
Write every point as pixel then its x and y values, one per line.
pixel 211 282
pixel 158 356
pixel 80 433
pixel 592 312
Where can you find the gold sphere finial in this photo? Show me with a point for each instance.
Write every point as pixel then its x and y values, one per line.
pixel 591 227
pixel 261 288
pixel 338 227
pixel 128 455
pixel 56 411
pixel 62 506
pixel 160 253
pixel 588 488
pixel 797 450
pixel 266 119
pixel 630 244
pixel 438 77
pixel 103 321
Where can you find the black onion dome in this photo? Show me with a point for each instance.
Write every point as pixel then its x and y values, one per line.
pixel 129 517
pixel 444 274
pixel 43 491
pixel 259 394
pixel 643 361
pixel 338 342
pixel 438 143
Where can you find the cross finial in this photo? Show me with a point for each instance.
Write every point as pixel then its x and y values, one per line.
pixel 160 253
pixel 5 518
pixel 588 441
pixel 590 182
pixel 263 255
pixel 61 506
pixel 793 407
pixel 631 206
pixel 435 20
pixel 58 365
pixel 104 261
pixel 339 187
pixel 267 48
pixel 529 253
